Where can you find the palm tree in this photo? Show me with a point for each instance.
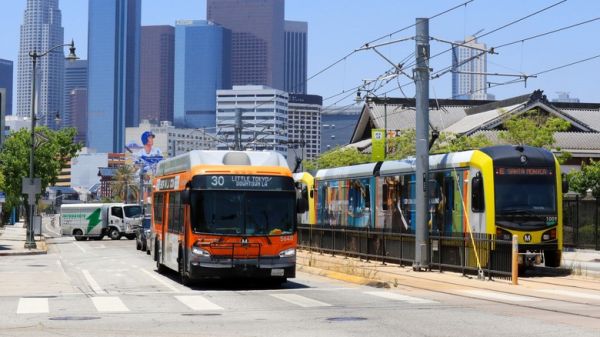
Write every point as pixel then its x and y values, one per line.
pixel 124 183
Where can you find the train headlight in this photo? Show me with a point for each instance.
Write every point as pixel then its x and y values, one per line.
pixel 288 253
pixel 549 235
pixel 502 234
pixel 200 252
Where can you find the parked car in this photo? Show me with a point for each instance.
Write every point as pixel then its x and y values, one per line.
pixel 142 233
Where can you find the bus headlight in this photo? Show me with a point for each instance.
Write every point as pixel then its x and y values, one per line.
pixel 200 252
pixel 288 253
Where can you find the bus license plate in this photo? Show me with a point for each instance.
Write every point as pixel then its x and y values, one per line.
pixel 277 272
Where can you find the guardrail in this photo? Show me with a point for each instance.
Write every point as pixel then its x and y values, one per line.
pixel 448 252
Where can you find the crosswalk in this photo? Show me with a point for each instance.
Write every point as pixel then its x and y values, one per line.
pixel 178 303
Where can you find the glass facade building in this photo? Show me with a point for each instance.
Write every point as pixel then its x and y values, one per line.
pixel 295 58
pixel 157 73
pixel 41 30
pixel 257 34
pixel 202 66
pixel 75 78
pixel 469 65
pixel 6 82
pixel 113 72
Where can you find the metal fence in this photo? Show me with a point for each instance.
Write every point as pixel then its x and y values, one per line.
pixel 457 252
pixel 581 223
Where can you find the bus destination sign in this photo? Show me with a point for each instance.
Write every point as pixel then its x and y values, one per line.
pixel 243 182
pixel 523 171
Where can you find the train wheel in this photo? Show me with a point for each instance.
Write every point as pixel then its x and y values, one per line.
pixel 552 258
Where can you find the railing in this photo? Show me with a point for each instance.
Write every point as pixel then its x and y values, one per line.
pixel 581 222
pixel 455 252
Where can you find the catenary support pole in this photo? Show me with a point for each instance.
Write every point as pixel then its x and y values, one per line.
pixel 422 142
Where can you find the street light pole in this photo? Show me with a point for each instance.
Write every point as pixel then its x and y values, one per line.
pixel 30 240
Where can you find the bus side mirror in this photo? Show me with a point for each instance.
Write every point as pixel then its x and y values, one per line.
pixel 384 205
pixel 565 183
pixel 185 197
pixel 477 198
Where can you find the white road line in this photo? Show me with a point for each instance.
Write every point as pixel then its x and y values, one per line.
pixel 499 296
pixel 198 303
pixel 163 282
pixel 301 301
pixel 93 284
pixel 32 306
pixel 399 297
pixel 571 293
pixel 109 304
pixel 78 246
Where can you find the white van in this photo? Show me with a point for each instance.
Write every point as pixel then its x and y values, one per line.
pixel 97 220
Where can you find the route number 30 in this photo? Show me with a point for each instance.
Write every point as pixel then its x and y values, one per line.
pixel 217 181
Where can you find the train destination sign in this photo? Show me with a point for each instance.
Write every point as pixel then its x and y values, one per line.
pixel 523 171
pixel 243 182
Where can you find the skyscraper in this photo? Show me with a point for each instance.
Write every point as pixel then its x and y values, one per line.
pixel 113 72
pixel 304 127
pixel 202 66
pixel 78 102
pixel 41 30
pixel 76 77
pixel 157 73
pixel 6 82
pixel 469 65
pixel 257 39
pixel 295 56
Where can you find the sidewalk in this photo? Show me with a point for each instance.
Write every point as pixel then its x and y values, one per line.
pixel 12 241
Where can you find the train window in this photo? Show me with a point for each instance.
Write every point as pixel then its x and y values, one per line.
pixel 477 197
pixel 384 200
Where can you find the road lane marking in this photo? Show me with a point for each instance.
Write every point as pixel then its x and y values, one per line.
pixel 198 303
pixel 301 301
pixel 399 297
pixel 33 306
pixel 109 304
pixel 570 293
pixel 93 284
pixel 498 296
pixel 78 246
pixel 163 282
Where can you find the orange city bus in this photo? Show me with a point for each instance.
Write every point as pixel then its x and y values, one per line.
pixel 225 214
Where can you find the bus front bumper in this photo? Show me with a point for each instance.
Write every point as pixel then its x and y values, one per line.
pixel 263 267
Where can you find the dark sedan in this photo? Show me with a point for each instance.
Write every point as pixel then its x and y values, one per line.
pixel 142 233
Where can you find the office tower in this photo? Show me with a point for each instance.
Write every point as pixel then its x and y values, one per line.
pixel 202 66
pixel 295 56
pixel 469 65
pixel 6 82
pixel 264 118
pixel 41 30
pixel 257 39
pixel 304 127
pixel 78 107
pixel 113 72
pixel 76 77
pixel 157 73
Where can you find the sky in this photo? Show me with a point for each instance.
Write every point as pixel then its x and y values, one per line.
pixel 338 27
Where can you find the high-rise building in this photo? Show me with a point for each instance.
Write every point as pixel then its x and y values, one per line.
pixel 202 66
pixel 263 116
pixel 257 39
pixel 304 127
pixel 469 65
pixel 76 77
pixel 157 73
pixel 295 56
pixel 113 72
pixel 78 107
pixel 6 82
pixel 41 30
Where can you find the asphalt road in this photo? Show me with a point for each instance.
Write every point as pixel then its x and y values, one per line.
pixel 107 288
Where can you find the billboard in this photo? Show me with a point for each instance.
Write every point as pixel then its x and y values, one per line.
pixel 144 150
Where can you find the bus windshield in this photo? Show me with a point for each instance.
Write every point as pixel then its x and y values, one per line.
pixel 243 213
pixel 525 194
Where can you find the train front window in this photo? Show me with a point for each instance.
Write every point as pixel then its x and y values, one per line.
pixel 242 213
pixel 525 194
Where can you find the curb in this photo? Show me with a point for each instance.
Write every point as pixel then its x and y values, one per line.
pixel 41 250
pixel 343 276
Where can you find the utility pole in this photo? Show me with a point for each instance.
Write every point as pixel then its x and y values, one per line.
pixel 238 130
pixel 422 144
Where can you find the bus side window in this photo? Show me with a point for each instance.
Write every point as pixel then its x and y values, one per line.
pixel 158 207
pixel 477 199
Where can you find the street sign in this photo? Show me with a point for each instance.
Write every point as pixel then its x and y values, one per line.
pixel 378 144
pixel 31 189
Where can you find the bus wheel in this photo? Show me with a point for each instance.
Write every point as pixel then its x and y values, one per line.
pixel 114 234
pixel 184 278
pixel 78 233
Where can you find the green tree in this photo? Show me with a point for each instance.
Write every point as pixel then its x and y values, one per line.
pixel 337 157
pixel 52 151
pixel 124 183
pixel 534 129
pixel 587 178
